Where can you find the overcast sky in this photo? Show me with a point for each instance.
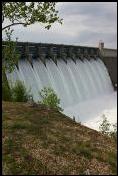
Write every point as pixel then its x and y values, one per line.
pixel 84 23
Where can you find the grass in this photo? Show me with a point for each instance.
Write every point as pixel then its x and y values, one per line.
pixel 19 125
pixel 39 141
pixel 82 150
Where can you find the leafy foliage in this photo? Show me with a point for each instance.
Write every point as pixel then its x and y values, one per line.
pixel 27 13
pixel 113 133
pixel 50 98
pixel 105 125
pixel 6 92
pixel 24 13
pixel 105 128
pixel 19 92
pixel 9 61
pixel 9 53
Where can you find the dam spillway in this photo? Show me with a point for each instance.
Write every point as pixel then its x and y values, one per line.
pixel 73 83
pixel 77 74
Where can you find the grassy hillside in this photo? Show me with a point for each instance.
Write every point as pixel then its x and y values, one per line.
pixel 39 141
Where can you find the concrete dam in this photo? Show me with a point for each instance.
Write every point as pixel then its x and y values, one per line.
pixel 77 74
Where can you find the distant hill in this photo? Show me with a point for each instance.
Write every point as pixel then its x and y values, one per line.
pixel 37 140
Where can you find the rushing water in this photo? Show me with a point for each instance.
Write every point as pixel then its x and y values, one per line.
pixel 74 83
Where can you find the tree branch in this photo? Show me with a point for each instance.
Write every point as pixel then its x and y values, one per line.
pixel 13 24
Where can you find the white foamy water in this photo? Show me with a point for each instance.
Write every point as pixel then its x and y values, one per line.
pixel 85 88
pixel 90 112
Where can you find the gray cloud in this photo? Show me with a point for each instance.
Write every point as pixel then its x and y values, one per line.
pixel 89 8
pixel 84 24
pixel 93 37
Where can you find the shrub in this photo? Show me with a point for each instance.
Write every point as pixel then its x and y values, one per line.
pixel 105 126
pixel 19 92
pixel 50 99
pixel 6 92
pixel 113 133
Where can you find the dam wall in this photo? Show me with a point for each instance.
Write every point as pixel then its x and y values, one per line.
pixel 109 57
pixel 44 52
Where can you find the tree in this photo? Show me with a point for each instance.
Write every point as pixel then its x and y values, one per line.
pixel 113 133
pixel 27 13
pixel 50 98
pixel 9 60
pixel 20 92
pixel 9 53
pixel 24 13
pixel 104 126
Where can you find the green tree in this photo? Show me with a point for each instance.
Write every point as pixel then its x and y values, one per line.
pixel 104 126
pixel 20 93
pixel 24 13
pixel 10 55
pixel 6 91
pixel 49 98
pixel 27 13
pixel 113 133
pixel 9 60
